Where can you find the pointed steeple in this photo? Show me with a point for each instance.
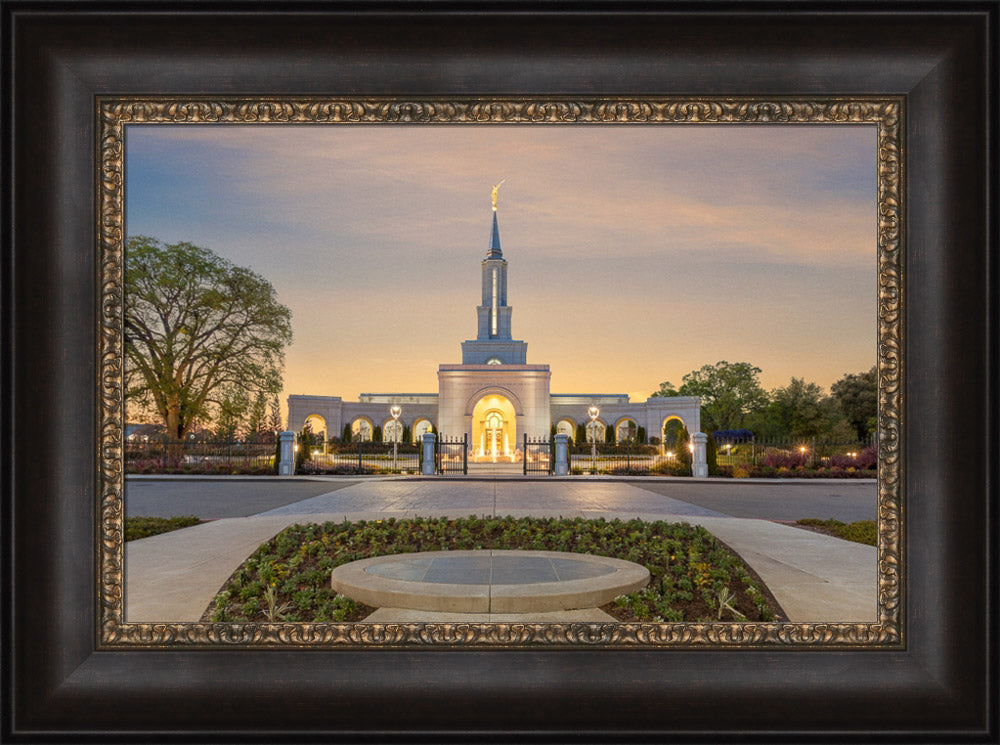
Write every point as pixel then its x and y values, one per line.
pixel 494 252
pixel 493 344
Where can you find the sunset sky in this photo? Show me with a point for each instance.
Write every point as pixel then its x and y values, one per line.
pixel 636 253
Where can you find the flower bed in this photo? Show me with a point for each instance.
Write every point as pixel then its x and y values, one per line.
pixel 207 467
pixel 694 576
pixel 745 471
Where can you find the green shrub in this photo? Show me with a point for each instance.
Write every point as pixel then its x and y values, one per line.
pixel 304 443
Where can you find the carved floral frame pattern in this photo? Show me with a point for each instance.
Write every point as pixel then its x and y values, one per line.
pixel 113 114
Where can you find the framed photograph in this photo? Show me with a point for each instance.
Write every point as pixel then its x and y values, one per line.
pixel 82 84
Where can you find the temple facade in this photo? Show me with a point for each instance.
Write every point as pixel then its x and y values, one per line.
pixel 494 396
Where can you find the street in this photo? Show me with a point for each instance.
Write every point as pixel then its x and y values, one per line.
pixel 845 500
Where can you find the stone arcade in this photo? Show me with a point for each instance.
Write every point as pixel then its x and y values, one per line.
pixel 494 396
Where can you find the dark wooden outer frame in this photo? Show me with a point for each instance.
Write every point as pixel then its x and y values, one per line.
pixel 58 59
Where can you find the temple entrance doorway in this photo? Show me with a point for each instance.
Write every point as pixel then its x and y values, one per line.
pixel 494 429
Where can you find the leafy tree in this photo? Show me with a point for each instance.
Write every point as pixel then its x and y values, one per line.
pixel 304 447
pixel 273 423
pixel 797 409
pixel 712 456
pixel 641 435
pixel 377 434
pixel 857 396
pixel 684 446
pixel 257 418
pixel 666 390
pixel 581 433
pixel 728 391
pixel 232 404
pixel 348 433
pixel 195 326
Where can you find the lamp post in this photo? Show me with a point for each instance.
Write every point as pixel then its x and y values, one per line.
pixel 593 411
pixel 394 411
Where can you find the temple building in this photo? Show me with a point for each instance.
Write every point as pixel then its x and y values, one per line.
pixel 494 396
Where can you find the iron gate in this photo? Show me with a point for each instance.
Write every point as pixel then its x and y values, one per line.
pixel 451 454
pixel 538 455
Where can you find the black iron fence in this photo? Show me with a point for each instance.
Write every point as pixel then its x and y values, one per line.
pixel 154 453
pixel 793 453
pixel 451 454
pixel 363 456
pixel 538 455
pixel 620 459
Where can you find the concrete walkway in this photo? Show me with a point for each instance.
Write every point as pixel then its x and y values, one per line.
pixel 173 577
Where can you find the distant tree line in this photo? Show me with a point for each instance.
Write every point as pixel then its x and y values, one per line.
pixel 733 399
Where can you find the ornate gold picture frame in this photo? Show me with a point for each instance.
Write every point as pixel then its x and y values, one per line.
pixel 115 113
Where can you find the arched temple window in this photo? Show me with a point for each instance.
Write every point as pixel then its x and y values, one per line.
pixel 596 431
pixel 626 431
pixel 392 431
pixel 420 428
pixel 361 429
pixel 566 427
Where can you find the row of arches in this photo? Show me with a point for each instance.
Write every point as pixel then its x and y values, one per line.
pixel 493 428
pixel 625 429
pixel 363 429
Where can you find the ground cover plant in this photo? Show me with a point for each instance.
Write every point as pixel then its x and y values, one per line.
pixel 201 467
pixel 694 577
pixel 143 527
pixel 861 531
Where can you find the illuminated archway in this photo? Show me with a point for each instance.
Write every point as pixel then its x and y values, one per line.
pixel 566 427
pixel 494 428
pixel 361 429
pixel 626 430
pixel 596 431
pixel 670 428
pixel 318 434
pixel 316 425
pixel 392 430
pixel 420 428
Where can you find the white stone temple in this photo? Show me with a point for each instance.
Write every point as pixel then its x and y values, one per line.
pixel 493 396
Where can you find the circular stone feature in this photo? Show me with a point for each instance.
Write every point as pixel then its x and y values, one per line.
pixel 488 581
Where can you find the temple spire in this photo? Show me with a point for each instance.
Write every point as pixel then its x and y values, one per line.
pixel 495 252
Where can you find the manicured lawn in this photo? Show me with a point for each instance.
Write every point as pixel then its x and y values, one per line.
pixel 862 531
pixel 694 576
pixel 143 527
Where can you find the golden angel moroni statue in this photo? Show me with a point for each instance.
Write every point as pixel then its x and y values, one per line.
pixel 493 194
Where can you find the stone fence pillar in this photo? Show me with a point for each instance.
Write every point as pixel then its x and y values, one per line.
pixel 427 469
pixel 562 461
pixel 699 462
pixel 286 463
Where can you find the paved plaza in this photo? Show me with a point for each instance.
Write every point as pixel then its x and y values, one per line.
pixel 174 576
